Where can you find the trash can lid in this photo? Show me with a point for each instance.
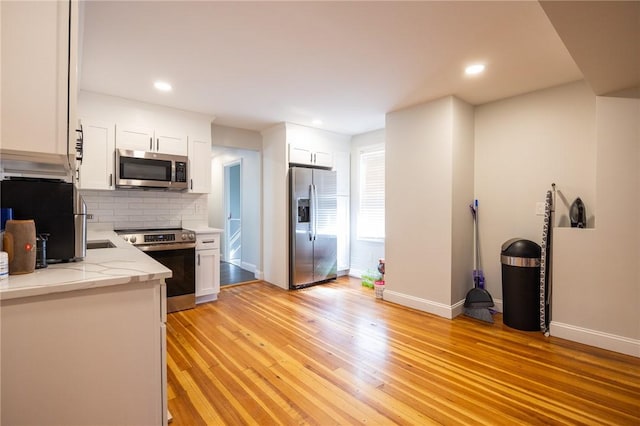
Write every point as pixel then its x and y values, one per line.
pixel 519 247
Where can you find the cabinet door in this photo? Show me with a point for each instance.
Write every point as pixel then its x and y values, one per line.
pixel 207 272
pixel 342 166
pixel 299 155
pixel 199 166
pixel 322 159
pixel 97 168
pixel 343 233
pixel 35 77
pixel 136 139
pixel 168 143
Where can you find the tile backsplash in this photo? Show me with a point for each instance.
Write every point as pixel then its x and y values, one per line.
pixel 144 209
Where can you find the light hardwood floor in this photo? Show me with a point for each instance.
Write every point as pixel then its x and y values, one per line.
pixel 333 354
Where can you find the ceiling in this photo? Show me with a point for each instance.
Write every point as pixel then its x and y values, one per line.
pixel 604 40
pixel 255 64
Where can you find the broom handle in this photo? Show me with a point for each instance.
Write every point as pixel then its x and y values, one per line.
pixel 476 254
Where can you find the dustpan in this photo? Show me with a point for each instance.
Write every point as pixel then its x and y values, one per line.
pixel 478 299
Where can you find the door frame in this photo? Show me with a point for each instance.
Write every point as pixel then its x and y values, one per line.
pixel 227 207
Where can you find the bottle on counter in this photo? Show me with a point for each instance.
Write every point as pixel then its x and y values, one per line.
pixel 4 265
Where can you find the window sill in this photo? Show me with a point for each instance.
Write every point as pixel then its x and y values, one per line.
pixel 371 240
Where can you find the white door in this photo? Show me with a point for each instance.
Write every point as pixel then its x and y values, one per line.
pixel 233 209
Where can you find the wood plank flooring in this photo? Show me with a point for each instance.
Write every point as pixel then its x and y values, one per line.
pixel 333 354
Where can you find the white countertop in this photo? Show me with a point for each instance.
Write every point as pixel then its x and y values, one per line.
pixel 101 267
pixel 201 229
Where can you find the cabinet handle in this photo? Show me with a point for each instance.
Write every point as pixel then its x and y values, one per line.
pixel 192 184
pixel 311 157
pixel 110 179
pixel 198 259
pixel 314 158
pixel 158 144
pixel 150 144
pixel 208 242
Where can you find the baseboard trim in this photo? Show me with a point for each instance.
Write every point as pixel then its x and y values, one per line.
pixel 436 308
pixel 457 309
pixel 259 274
pixel 248 267
pixel 595 338
pixel 206 298
pixel 357 273
pixel 419 303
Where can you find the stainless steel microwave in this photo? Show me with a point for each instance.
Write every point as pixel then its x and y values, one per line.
pixel 150 170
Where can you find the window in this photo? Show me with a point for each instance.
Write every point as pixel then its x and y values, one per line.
pixel 371 206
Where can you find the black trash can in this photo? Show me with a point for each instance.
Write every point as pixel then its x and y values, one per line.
pixel 521 284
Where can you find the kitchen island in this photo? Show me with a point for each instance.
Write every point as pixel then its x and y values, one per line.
pixel 84 342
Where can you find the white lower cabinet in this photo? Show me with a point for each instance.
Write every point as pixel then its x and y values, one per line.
pixel 207 267
pixel 85 357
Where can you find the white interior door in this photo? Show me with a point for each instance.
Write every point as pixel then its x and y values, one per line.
pixel 233 211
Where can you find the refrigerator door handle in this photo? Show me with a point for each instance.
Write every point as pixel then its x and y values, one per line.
pixel 311 212
pixel 315 216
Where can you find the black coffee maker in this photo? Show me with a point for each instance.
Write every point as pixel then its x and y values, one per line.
pixel 41 250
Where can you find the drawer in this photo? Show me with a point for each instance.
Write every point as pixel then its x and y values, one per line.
pixel 207 241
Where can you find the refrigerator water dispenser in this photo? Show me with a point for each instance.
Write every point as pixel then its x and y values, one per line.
pixel 303 210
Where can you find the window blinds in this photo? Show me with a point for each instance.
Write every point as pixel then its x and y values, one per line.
pixel 371 206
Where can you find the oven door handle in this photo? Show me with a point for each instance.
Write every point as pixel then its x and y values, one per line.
pixel 165 247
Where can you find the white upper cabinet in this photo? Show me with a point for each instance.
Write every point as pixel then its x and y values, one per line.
pixel 309 157
pixel 146 139
pixel 168 143
pixel 136 139
pixel 199 165
pixel 39 94
pixel 96 170
pixel 342 166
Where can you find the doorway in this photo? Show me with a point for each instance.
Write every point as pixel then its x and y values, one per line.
pixel 233 212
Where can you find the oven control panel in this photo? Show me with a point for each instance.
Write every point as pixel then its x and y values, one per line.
pixel 159 238
pixel 150 237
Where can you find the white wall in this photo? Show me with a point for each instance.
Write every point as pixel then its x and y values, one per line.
pixel 233 137
pixel 250 192
pixel 275 243
pixel 364 254
pixel 596 279
pixel 139 114
pixel 463 193
pixel 423 151
pixel 523 145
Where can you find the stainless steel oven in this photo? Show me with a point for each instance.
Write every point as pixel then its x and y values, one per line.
pixel 175 249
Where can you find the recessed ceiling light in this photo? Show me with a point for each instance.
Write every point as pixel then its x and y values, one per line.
pixel 317 122
pixel 163 86
pixel 474 69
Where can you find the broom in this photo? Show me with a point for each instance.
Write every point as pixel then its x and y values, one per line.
pixel 478 299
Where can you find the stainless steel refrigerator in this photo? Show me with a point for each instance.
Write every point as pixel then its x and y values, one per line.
pixel 312 234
